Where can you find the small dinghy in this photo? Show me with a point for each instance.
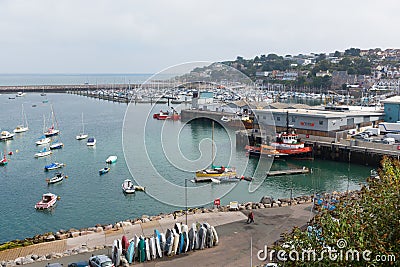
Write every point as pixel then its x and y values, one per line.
pixel 56 179
pixel 104 170
pixel 111 159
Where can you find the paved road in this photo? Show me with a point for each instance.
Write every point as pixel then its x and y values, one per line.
pixel 234 248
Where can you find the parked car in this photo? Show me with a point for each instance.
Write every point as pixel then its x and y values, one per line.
pixel 100 261
pixel 389 141
pixel 56 264
pixel 79 264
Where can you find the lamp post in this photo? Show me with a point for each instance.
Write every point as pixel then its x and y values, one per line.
pixel 186 212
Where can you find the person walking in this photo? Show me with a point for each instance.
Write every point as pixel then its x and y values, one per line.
pixel 250 217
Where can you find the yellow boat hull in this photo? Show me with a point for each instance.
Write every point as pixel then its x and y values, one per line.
pixel 224 174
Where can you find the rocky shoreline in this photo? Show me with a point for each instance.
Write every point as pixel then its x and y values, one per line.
pixel 265 202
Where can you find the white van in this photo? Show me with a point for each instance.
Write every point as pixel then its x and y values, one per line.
pixel 389 141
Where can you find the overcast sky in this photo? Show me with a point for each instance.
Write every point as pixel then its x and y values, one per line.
pixel 104 36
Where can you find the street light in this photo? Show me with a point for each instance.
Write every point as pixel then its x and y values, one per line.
pixel 186 200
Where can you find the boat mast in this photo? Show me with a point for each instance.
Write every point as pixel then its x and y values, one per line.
pixel 83 125
pixel 212 145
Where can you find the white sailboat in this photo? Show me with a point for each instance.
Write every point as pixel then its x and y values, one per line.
pixel 24 126
pixel 82 135
pixel 51 131
pixel 43 139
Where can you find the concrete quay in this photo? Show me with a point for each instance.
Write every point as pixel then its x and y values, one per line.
pixel 234 234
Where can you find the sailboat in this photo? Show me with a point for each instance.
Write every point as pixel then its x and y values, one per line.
pixel 43 139
pixel 43 94
pixel 82 135
pixel 24 126
pixel 56 145
pixel 215 173
pixel 52 130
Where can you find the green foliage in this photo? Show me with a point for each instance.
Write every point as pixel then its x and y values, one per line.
pixel 369 220
pixel 352 52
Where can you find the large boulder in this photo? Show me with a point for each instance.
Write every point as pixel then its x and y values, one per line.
pixel 266 200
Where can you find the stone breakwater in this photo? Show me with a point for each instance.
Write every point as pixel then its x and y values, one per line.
pixel 78 237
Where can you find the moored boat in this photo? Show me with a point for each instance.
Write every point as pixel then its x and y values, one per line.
pixel 52 131
pixel 139 188
pixel 162 115
pixel 48 201
pixel 104 170
pixel 290 144
pixel 56 145
pixel 264 151
pixel 82 135
pixel 58 177
pixel 111 159
pixel 24 126
pixel 4 161
pixel 53 166
pixel 165 115
pixel 128 187
pixel 214 172
pixel 5 135
pixel 91 141
pixel 43 140
pixel 43 153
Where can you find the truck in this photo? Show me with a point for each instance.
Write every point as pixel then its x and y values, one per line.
pixel 395 136
pixel 372 131
pixel 389 127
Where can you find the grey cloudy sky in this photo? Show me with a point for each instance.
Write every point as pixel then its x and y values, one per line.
pixel 104 36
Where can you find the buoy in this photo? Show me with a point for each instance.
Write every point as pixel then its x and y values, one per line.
pixel 10 153
pixel 58 197
pixel 66 176
pixel 16 151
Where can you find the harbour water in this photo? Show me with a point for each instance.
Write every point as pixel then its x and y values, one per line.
pixel 88 199
pixel 69 79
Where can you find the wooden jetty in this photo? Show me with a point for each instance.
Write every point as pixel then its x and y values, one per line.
pixel 288 172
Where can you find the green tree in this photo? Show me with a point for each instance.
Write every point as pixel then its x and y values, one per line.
pixel 368 220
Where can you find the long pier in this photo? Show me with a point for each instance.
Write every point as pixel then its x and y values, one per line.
pixel 288 172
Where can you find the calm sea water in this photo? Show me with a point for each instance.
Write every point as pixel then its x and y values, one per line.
pixel 52 79
pixel 88 199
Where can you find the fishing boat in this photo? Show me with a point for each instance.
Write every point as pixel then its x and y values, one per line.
pixel 128 187
pixel 48 201
pixel 111 159
pixel 289 143
pixel 54 166
pixel 58 177
pixel 82 135
pixel 4 161
pixel 43 153
pixel 5 135
pixel 52 131
pixel 91 141
pixel 56 145
pixel 24 126
pixel 214 172
pixel 104 170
